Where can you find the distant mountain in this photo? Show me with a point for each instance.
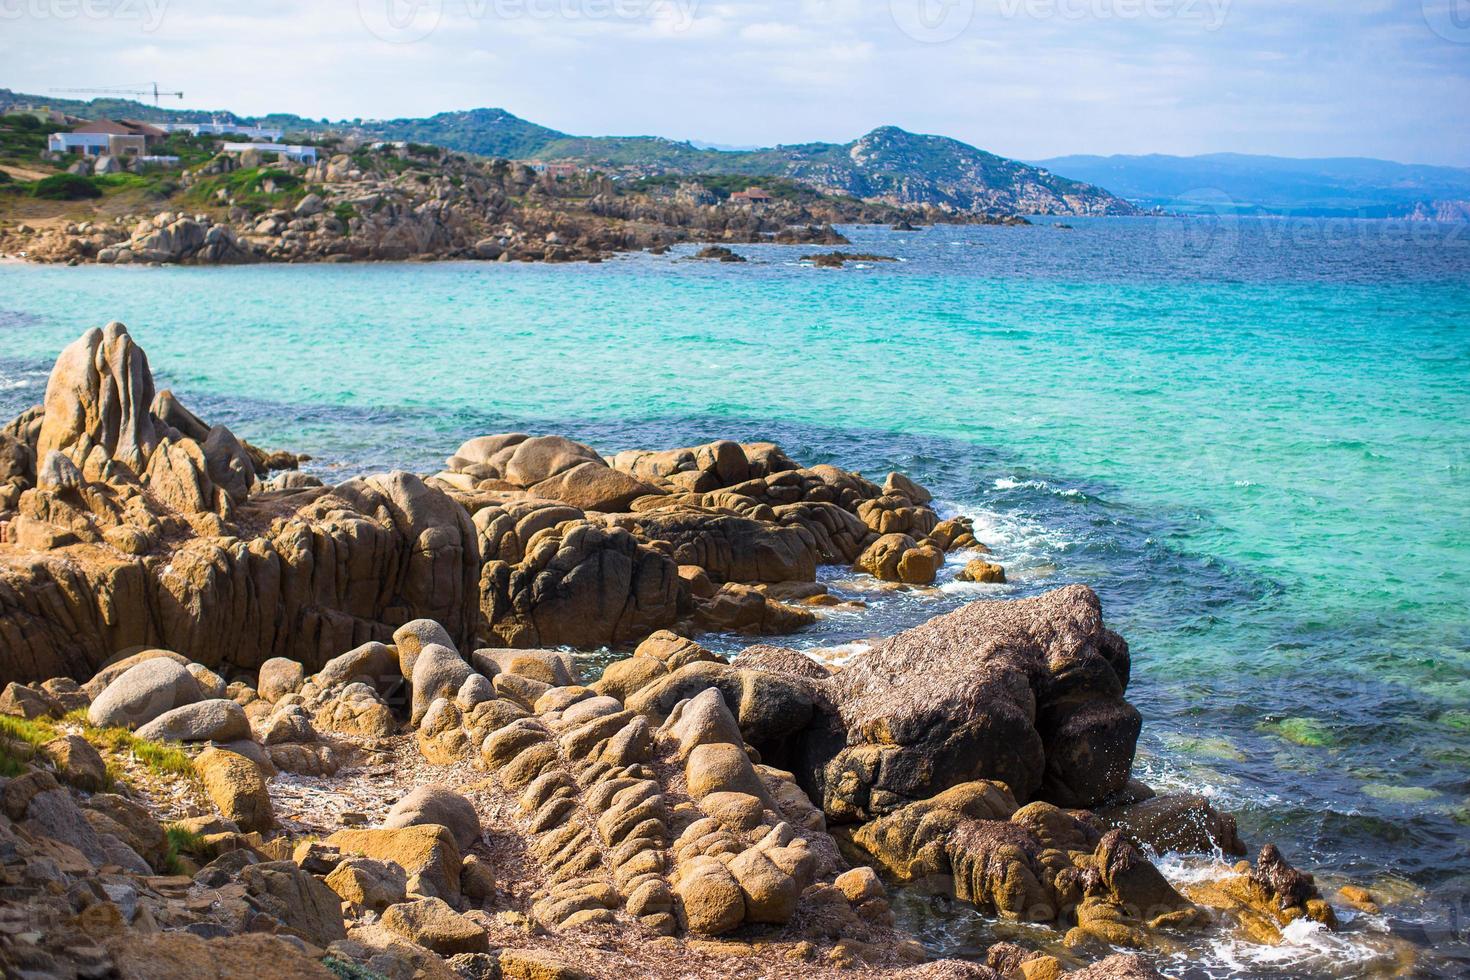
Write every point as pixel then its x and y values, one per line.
pixel 887 164
pixel 488 132
pixel 1240 183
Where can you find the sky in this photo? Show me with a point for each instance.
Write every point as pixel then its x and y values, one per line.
pixel 1025 78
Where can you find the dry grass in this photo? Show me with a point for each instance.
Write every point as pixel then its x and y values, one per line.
pixel 24 737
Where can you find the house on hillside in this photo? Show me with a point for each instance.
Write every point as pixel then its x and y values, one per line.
pixel 226 129
pixel 152 135
pixel 751 195
pixel 556 171
pixel 290 151
pixel 110 137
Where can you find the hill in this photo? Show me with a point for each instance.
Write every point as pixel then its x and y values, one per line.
pixel 888 164
pixel 1246 184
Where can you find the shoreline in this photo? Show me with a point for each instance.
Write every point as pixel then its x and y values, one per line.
pixel 574 549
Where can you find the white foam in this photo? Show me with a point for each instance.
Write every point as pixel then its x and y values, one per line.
pixel 1305 945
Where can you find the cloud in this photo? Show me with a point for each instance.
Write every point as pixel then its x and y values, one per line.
pixel 1027 78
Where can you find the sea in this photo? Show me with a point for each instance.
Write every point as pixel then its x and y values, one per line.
pixel 1250 436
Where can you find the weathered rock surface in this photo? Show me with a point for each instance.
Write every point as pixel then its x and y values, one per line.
pixel 580 585
pixel 237 787
pixel 144 692
pixel 437 805
pixel 203 721
pixel 335 573
pixel 672 797
pixel 1029 693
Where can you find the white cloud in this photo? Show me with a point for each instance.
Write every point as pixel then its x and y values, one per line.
pixel 1314 77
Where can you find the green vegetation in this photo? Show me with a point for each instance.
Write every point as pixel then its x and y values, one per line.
pixel 348 970
pixel 256 189
pixel 488 132
pixel 162 758
pixel 65 187
pixel 160 184
pixel 1407 795
pixel 20 740
pixel 190 149
pixel 23 139
pixel 723 185
pixel 180 841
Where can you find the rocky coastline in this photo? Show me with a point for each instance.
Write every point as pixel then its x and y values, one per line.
pixel 253 722
pixel 424 204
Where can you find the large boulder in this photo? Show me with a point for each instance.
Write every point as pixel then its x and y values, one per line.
pixel 729 548
pixel 299 901
pixel 438 672
pixel 194 563
pixel 411 638
pixel 437 805
pixel 432 924
pixel 99 395
pixel 215 720
pixel 1027 692
pixel 121 665
pixel 342 568
pixel 580 585
pixel 773 710
pixel 279 677
pixel 592 486
pixel 144 692
pixel 899 558
pixel 372 663
pixel 1184 823
pixel 426 852
pixel 549 467
pixel 237 787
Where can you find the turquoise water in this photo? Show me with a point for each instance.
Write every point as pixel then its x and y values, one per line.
pixel 1250 437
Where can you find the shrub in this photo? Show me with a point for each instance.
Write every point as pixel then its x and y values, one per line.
pixel 65 187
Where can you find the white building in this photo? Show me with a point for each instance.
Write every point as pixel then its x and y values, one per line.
pixel 291 151
pixel 224 129
pixel 87 144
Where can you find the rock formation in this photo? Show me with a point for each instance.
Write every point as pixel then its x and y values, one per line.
pixel 186 622
pixel 135 534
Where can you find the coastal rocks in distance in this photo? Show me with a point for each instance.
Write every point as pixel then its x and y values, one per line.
pixel 419 203
pixel 719 253
pixel 837 260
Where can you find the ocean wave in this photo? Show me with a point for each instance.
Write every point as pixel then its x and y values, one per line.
pixel 1071 493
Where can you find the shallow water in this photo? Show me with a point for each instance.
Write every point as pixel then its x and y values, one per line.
pixel 1249 436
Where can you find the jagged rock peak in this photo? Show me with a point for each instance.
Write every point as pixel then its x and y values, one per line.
pixel 99 394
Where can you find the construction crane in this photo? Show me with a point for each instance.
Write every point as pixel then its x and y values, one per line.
pixel 120 91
